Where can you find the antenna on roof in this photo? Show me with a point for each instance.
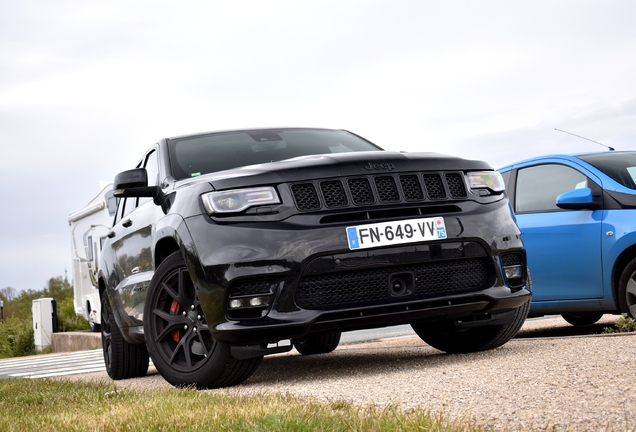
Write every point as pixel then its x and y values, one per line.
pixel 579 136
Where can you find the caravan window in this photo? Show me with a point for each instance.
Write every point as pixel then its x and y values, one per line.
pixel 111 203
pixel 89 248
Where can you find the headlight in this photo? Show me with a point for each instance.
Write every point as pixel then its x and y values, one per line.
pixel 486 180
pixel 237 200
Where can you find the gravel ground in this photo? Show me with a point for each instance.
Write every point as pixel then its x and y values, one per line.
pixel 535 381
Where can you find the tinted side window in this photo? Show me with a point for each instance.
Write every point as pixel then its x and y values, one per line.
pixel 506 179
pixel 129 205
pixel 120 210
pixel 152 168
pixel 621 166
pixel 539 186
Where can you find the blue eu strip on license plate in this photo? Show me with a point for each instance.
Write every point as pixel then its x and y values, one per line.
pixel 396 232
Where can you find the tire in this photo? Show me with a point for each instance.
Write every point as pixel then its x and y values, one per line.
pixel 178 337
pixel 451 339
pixel 582 318
pixel 123 360
pixel 317 344
pixel 627 290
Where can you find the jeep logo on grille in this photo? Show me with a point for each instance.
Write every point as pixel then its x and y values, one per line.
pixel 383 166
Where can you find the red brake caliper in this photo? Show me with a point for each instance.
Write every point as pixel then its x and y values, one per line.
pixel 174 310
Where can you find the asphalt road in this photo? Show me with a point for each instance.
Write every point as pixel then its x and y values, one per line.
pixel 84 362
pixel 50 365
pixel 552 376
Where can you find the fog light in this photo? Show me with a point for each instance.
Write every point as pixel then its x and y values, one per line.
pixel 513 272
pixel 236 303
pixel 256 301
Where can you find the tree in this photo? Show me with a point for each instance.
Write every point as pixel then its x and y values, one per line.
pixel 20 306
pixel 58 288
pixel 8 293
pixel 16 333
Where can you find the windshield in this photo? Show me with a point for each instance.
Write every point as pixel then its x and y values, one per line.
pixel 621 166
pixel 197 155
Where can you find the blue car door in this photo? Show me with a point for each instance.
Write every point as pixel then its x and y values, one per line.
pixel 563 246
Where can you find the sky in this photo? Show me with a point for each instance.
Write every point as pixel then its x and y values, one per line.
pixel 86 87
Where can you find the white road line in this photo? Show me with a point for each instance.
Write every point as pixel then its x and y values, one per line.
pixel 54 365
pixel 69 369
pixel 49 361
pixel 49 358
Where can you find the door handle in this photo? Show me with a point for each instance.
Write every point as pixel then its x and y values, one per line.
pixel 127 223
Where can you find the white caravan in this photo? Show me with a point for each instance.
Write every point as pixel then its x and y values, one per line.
pixel 89 227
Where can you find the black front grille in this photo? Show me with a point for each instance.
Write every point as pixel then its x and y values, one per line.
pixel 361 192
pixel 411 188
pixel 378 190
pixel 306 196
pixel 434 187
pixel 387 191
pixel 367 287
pixel 456 185
pixel 334 193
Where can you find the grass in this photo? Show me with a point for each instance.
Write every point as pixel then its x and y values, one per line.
pixel 624 324
pixel 35 405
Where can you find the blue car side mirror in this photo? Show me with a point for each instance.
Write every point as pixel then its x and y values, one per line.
pixel 576 199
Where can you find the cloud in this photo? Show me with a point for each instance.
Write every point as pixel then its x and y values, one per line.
pixel 87 87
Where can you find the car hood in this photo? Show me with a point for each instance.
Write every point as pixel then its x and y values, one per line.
pixel 336 165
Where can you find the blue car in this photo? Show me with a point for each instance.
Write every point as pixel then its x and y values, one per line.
pixel 577 214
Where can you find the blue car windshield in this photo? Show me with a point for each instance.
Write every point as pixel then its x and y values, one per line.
pixel 620 166
pixel 202 154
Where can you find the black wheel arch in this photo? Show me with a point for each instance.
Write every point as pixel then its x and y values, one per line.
pixel 627 256
pixel 101 288
pixel 164 248
pixel 173 236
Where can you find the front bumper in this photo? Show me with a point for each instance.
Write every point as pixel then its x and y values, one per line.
pixel 294 264
pixel 477 308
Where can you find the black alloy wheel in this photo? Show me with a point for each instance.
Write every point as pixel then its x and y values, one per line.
pixel 447 337
pixel 317 344
pixel 178 336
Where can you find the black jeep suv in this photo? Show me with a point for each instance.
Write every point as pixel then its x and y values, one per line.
pixel 229 246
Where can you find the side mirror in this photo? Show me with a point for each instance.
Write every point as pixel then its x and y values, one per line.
pixel 577 199
pixel 134 183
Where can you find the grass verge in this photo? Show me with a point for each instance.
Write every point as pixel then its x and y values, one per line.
pixel 624 324
pixel 36 405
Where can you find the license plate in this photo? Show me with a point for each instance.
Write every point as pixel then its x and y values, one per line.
pixel 397 232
